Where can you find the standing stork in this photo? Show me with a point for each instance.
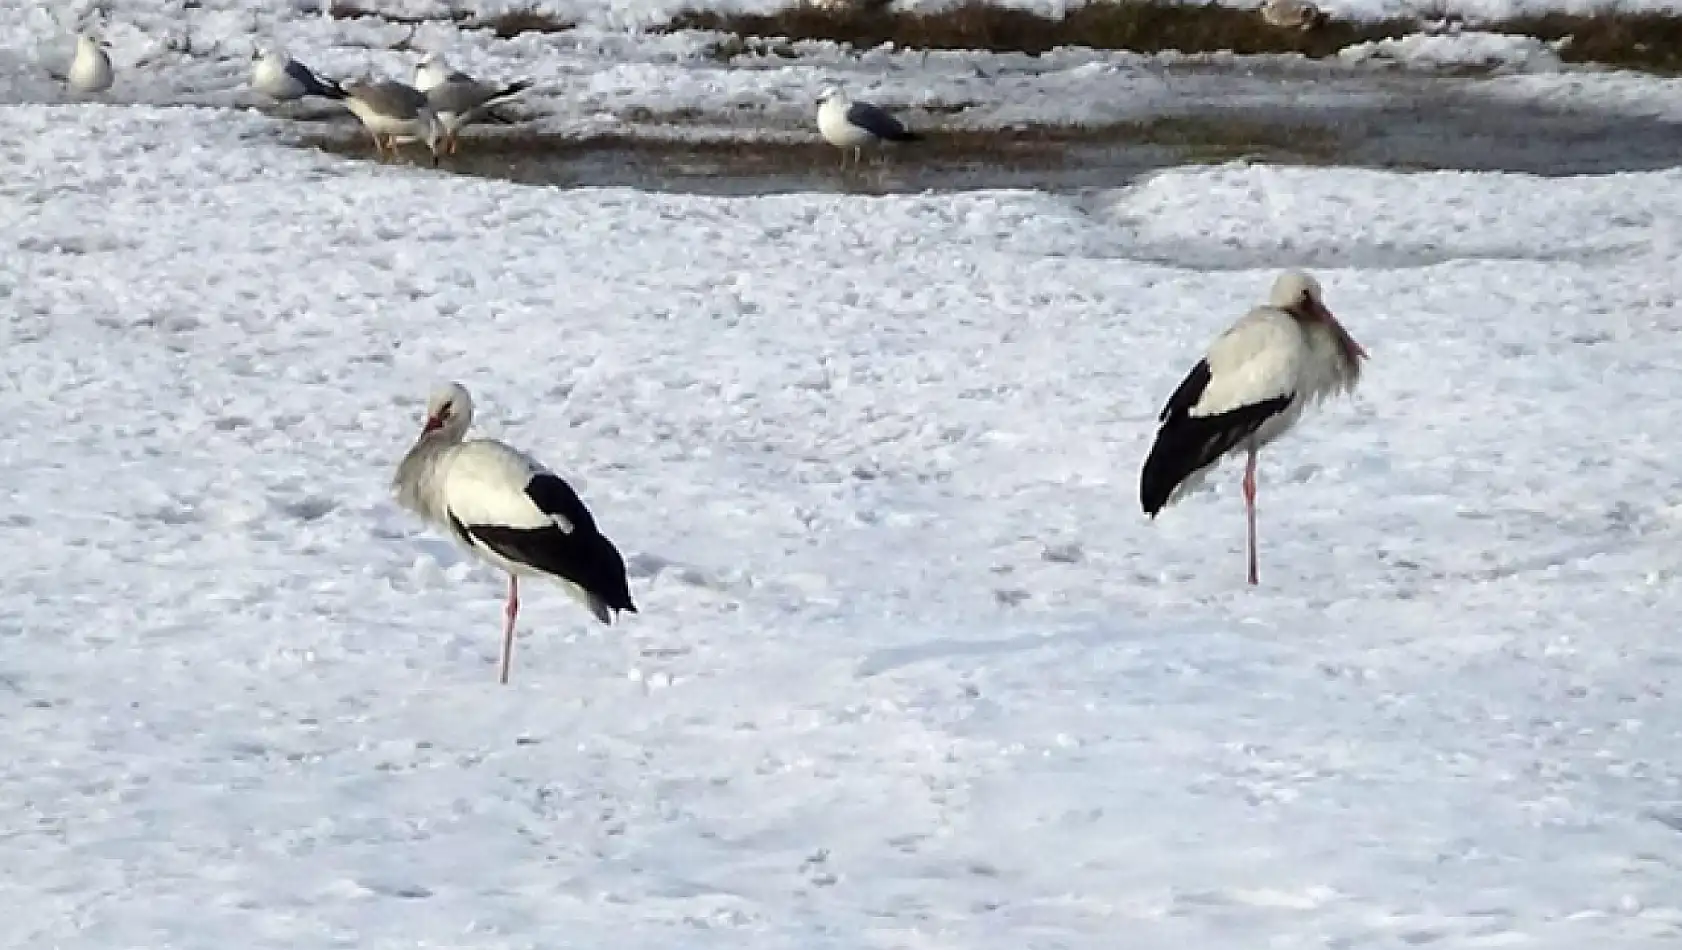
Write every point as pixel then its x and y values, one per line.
pixel 508 509
pixel 1250 388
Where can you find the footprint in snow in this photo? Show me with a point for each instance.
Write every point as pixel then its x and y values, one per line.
pixel 1069 553
pixel 385 889
pixel 645 566
pixel 307 509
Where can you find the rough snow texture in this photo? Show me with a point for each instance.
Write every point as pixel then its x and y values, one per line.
pixel 912 669
pixel 1469 49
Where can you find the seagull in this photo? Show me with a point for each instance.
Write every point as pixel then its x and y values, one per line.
pixel 509 510
pixel 432 71
pixel 392 109
pixel 282 78
pixel 846 124
pixel 1249 389
pixel 458 98
pixel 1292 14
pixel 90 71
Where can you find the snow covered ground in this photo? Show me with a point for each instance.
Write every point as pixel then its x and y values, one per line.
pixel 912 669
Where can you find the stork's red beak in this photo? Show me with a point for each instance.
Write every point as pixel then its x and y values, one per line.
pixel 1326 315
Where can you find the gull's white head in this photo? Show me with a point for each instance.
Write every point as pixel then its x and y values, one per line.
pixel 449 410
pixel 270 53
pixel 86 43
pixel 432 71
pixel 831 92
pixel 434 134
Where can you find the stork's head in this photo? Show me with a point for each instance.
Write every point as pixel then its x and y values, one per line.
pixel 449 410
pixel 1297 293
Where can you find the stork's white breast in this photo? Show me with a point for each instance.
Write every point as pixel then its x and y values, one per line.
pixel 1259 358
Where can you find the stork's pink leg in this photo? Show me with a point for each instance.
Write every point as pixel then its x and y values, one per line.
pixel 1250 509
pixel 508 630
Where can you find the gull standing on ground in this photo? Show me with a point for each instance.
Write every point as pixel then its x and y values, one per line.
pixel 508 509
pixel 277 75
pixel 1249 389
pixel 392 109
pixel 457 98
pixel 90 71
pixel 846 124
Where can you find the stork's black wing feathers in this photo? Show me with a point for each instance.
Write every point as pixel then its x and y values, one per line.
pixel 1186 443
pixel 1187 393
pixel 582 555
pixel 554 496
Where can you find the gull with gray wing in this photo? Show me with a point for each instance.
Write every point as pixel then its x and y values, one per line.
pixel 275 74
pixel 458 99
pixel 850 125
pixel 391 109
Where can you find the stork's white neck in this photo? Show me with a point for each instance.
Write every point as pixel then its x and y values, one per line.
pixel 420 475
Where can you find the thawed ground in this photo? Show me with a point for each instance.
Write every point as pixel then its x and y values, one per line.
pixel 912 670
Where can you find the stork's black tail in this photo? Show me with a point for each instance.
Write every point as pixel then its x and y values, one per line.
pixel 1187 444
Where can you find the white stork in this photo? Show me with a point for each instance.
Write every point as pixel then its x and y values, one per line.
pixel 1249 389
pixel 509 510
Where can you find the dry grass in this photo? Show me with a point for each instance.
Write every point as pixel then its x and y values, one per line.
pixel 1644 41
pixel 1141 25
pixel 508 25
pixel 504 25
pixel 1647 41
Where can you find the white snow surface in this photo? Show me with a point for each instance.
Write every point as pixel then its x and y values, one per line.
pixel 911 670
pixel 1471 48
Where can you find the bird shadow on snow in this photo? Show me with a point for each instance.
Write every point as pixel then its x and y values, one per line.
pixel 1131 240
pixel 646 566
pixel 945 648
pixel 1354 255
